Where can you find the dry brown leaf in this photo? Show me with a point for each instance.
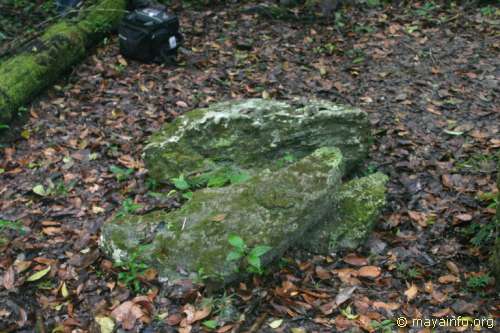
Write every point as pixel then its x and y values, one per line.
pixel 185 329
pixel 127 314
pixel 348 276
pixel 453 267
pixel 342 323
pixel 9 278
pixel 150 274
pixel 411 292
pixel 49 231
pixel 418 217
pixel 442 313
pixel 369 272
pixel 386 306
pixel 322 273
pixel 189 310
pixel 448 278
pixel 365 323
pixel 225 328
pixel 202 314
pixel 355 260
pixel 462 218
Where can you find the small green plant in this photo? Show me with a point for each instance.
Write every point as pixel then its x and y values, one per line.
pixel 408 273
pixel 252 255
pixel 479 234
pixel 4 126
pixel 478 282
pixel 11 225
pixel 151 184
pixel 328 48
pixel 121 174
pixel 490 198
pixel 128 207
pixel 477 162
pixel 132 269
pixel 285 160
pixel 488 10
pixel 218 178
pixel 426 9
pixel 384 326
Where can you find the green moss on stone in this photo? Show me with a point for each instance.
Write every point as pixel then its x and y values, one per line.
pixel 271 208
pixel 255 133
pixel 354 213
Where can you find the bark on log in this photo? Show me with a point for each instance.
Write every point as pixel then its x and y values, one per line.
pixel 61 46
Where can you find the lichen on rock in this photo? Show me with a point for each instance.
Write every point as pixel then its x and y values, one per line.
pixel 272 208
pixel 352 216
pixel 254 133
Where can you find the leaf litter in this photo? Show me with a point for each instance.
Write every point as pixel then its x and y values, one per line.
pixel 434 111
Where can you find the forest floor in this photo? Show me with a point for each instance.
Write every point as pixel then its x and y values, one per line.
pixel 426 74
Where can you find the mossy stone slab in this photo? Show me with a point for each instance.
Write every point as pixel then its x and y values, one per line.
pixel 254 134
pixel 351 217
pixel 273 208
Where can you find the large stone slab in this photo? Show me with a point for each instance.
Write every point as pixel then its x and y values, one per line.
pixel 273 208
pixel 255 133
pixel 351 218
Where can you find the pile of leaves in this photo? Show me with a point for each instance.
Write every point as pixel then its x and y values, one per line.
pixel 434 110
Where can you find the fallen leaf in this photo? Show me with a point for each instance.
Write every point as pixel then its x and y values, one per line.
pixel 322 273
pixel 411 292
pixel 9 278
pixel 355 260
pixel 64 290
pixel 127 313
pixel 442 313
pixel 369 272
pixel 150 274
pixel 276 323
pixel 464 217
pixel 386 306
pixel 448 278
pixel 419 217
pixel 344 294
pixel 38 275
pixel 106 324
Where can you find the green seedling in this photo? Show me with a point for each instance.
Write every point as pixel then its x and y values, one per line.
pixel 121 174
pixel 132 269
pixel 478 282
pixel 128 207
pixel 11 225
pixel 252 256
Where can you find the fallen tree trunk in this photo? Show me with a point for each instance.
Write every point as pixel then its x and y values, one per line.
pixel 60 47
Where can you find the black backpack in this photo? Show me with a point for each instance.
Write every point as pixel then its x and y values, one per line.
pixel 149 34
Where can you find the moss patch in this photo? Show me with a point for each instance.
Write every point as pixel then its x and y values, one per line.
pixel 255 134
pixel 354 213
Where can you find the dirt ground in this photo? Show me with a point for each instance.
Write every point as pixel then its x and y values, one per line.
pixel 426 73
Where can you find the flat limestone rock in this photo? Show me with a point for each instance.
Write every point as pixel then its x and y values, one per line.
pixel 272 208
pixel 254 134
pixel 352 216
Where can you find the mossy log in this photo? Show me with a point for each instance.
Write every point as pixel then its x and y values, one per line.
pixel 45 59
